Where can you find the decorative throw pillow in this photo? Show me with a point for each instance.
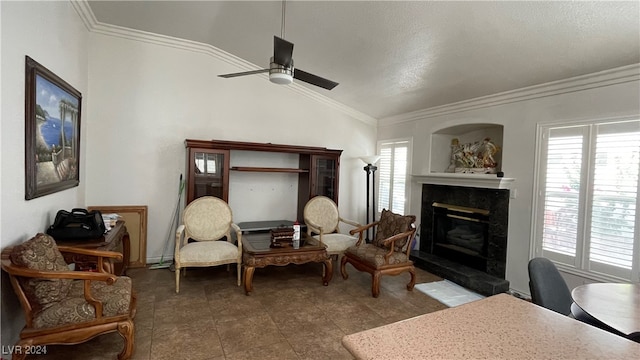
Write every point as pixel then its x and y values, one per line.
pixel 41 253
pixel 392 224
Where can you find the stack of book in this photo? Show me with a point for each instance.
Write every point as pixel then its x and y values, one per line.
pixel 281 237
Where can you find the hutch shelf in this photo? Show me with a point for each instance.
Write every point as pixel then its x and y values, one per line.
pixel 208 168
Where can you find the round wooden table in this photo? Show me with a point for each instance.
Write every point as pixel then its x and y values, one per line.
pixel 615 305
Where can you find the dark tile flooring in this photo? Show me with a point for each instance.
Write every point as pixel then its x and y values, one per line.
pixel 289 314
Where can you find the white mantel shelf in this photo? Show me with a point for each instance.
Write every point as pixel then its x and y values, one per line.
pixel 486 181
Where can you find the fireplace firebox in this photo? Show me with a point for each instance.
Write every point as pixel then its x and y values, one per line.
pixel 461 234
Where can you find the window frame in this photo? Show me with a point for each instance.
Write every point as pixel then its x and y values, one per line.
pixel 580 264
pixel 407 185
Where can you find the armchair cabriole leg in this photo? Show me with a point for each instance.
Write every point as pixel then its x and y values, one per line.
pixel 126 330
pixel 343 269
pixel 412 282
pixel 24 344
pixel 375 284
pixel 239 272
pixel 177 280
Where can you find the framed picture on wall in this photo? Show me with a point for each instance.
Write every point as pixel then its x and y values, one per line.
pixel 52 132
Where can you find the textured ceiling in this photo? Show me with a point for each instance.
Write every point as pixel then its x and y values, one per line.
pixel 396 57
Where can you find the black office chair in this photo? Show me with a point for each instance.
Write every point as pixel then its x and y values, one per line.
pixel 548 288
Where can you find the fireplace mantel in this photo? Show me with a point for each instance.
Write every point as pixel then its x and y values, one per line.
pixel 486 181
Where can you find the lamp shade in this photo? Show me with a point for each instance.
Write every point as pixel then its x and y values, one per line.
pixel 371 159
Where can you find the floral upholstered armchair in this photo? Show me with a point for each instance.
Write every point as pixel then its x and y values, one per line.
pixel 387 254
pixel 62 306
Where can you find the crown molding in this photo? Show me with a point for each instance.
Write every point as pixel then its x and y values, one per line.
pixel 609 77
pixel 88 18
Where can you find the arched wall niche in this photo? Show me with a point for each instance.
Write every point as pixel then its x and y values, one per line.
pixel 440 154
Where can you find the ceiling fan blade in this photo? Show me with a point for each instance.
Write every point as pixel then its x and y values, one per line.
pixel 314 79
pixel 282 51
pixel 244 73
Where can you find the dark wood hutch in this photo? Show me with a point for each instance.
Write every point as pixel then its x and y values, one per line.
pixel 208 168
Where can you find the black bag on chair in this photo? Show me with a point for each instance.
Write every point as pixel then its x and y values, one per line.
pixel 79 224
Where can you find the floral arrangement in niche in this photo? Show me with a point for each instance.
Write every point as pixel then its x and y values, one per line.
pixel 474 158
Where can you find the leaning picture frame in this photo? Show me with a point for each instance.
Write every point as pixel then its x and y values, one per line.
pixel 52 132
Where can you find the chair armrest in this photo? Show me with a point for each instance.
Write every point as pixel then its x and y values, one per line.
pixel 350 222
pixel 90 252
pixel 313 226
pixel 238 231
pixel 180 238
pixel 363 228
pixel 391 240
pixel 104 257
pixel 73 275
pixel 360 230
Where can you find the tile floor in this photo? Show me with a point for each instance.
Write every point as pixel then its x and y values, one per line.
pixel 289 315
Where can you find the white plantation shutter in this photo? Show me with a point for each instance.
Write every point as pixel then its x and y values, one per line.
pixel 392 175
pixel 384 178
pixel 589 181
pixel 399 178
pixel 564 160
pixel 615 195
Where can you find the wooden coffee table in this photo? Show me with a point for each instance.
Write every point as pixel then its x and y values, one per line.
pixel 256 253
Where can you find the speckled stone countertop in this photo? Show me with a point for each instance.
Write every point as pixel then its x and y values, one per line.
pixel 497 327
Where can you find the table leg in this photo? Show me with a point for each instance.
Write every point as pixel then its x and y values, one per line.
pixel 328 271
pixel 248 279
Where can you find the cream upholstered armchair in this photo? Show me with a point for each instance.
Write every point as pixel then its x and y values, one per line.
pixel 208 222
pixel 322 218
pixel 62 306
pixel 387 254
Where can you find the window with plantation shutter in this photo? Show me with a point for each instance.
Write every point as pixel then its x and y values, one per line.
pixel 392 175
pixel 564 160
pixel 588 183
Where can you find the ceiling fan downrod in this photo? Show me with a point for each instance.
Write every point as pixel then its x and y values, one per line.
pixel 284 10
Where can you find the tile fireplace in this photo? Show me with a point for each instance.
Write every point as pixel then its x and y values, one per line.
pixel 463 235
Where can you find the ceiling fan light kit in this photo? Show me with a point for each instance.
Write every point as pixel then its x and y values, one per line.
pixel 280 74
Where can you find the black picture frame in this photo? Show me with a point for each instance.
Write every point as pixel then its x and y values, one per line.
pixel 52 132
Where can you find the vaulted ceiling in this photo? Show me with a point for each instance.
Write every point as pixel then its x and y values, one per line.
pixel 396 57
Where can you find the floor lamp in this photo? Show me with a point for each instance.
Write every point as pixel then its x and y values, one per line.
pixel 370 169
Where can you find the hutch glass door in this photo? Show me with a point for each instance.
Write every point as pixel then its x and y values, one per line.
pixel 209 175
pixel 325 180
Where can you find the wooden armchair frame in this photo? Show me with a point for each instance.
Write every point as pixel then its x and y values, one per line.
pixel 387 268
pixel 78 332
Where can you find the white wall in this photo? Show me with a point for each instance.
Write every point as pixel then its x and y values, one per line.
pixel 52 34
pixel 147 98
pixel 609 99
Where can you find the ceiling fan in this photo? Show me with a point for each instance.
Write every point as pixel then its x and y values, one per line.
pixel 281 70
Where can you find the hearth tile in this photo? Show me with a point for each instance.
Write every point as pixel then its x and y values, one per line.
pixel 470 278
